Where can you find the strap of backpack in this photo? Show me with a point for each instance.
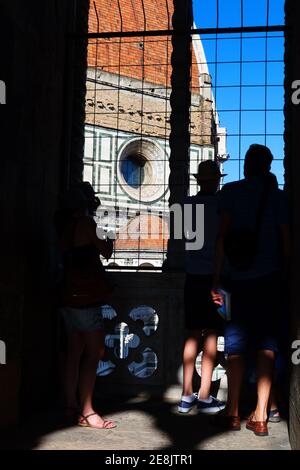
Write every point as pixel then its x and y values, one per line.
pixel 262 204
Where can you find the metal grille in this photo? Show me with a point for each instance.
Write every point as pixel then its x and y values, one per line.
pixel 236 99
pixel 247 67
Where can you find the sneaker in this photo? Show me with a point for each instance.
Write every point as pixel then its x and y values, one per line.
pixel 274 416
pixel 185 407
pixel 210 408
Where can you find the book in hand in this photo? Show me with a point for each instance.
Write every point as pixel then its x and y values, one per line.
pixel 225 309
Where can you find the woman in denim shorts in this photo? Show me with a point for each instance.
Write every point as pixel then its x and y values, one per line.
pixel 81 249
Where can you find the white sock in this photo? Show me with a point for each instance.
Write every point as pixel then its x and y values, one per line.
pixel 188 398
pixel 205 400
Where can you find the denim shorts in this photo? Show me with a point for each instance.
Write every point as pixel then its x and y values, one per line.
pixel 85 319
pixel 256 309
pixel 239 340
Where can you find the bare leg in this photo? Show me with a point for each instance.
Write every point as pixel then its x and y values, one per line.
pixel 235 372
pixel 207 364
pixel 265 369
pixel 189 357
pixel 93 352
pixel 74 352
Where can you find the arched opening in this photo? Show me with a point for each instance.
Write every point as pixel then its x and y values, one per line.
pixel 133 170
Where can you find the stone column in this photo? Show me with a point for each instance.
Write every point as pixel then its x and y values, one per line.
pixel 33 129
pixel 180 101
pixel 77 89
pixel 292 167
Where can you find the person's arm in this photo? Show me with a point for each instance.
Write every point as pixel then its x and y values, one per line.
pixel 225 222
pixel 105 246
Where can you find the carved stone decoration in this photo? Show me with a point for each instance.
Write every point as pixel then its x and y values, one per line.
pixel 123 340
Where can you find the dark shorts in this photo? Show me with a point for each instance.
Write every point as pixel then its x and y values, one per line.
pixel 255 309
pixel 84 319
pixel 200 311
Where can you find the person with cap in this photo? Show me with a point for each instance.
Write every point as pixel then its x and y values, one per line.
pixel 253 237
pixel 202 321
pixel 84 289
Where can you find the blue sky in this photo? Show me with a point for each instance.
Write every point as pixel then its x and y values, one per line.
pixel 262 85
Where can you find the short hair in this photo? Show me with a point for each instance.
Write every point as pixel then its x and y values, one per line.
pixel 258 160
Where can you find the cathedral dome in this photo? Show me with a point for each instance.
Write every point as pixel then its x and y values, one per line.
pixel 126 56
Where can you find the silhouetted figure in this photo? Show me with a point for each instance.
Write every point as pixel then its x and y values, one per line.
pixel 254 235
pixel 281 365
pixel 83 293
pixel 201 318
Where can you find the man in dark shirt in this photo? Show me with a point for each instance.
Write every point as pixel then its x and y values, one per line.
pixel 256 290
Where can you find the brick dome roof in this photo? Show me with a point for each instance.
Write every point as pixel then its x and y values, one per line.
pixel 127 59
pixel 144 232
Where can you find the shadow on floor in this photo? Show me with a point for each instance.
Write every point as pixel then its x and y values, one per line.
pixel 154 417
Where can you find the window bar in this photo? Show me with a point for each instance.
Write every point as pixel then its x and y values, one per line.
pixel 266 74
pixel 141 132
pixel 116 206
pixel 172 32
pixel 95 98
pixel 167 120
pixel 119 37
pixel 241 90
pixel 216 72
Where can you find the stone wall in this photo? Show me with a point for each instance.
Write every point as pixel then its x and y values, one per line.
pixel 128 105
pixel 138 294
pixel 35 57
pixel 164 294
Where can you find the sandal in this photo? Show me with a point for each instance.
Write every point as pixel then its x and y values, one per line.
pixel 84 422
pixel 274 416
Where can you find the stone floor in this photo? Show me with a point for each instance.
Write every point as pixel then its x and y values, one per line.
pixel 143 422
